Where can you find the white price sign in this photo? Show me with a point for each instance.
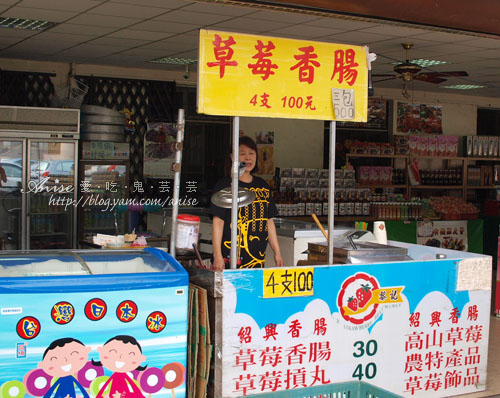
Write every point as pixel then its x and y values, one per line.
pixel 343 103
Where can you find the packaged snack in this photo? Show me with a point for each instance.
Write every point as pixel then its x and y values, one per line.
pixel 312 173
pixel 468 145
pixel 401 140
pixel 286 182
pixel 283 172
pixel 385 175
pixel 485 142
pixel 350 183
pixel 323 182
pixel 441 143
pixel 386 149
pixel 325 173
pixel 374 178
pixel 402 150
pixel 475 146
pixel 373 148
pixel 298 172
pixel 493 147
pixel 349 174
pixel 312 182
pixel 422 146
pixel 364 174
pixel 451 145
pixel 413 146
pixel 298 183
pixel 432 148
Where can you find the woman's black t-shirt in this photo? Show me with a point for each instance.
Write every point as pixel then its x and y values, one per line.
pixel 252 223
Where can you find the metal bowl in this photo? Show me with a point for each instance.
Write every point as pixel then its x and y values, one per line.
pixel 224 198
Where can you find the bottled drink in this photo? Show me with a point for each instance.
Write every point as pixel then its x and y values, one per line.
pixel 301 208
pixel 318 204
pixel 309 204
pixel 325 204
pixel 366 204
pixel 336 204
pixel 342 204
pixel 349 206
pixel 358 204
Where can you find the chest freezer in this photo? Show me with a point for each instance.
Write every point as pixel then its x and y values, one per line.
pixel 92 323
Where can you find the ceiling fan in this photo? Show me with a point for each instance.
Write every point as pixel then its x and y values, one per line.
pixel 409 71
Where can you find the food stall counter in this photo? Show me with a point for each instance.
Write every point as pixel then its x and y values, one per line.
pixel 416 328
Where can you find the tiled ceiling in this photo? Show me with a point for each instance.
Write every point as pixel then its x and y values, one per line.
pixel 133 32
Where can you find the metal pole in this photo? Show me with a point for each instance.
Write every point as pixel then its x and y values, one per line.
pixel 234 191
pixel 177 179
pixel 331 195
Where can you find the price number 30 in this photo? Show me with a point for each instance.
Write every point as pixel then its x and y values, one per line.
pixel 370 369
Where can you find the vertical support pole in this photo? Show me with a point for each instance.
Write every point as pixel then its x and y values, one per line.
pixel 331 194
pixel 177 179
pixel 234 191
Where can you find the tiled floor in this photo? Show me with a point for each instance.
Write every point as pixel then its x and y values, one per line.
pixel 493 377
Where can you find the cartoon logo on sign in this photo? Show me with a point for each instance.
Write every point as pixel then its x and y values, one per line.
pixel 126 311
pixel 156 322
pixel 28 327
pixel 95 309
pixel 360 296
pixel 62 313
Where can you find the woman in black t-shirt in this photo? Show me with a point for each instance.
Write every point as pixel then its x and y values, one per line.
pixel 255 224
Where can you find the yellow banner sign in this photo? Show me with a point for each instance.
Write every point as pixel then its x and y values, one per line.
pixel 249 75
pixel 288 282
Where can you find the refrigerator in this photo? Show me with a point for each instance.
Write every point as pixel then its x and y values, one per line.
pixel 38 178
pixel 104 186
pixel 89 321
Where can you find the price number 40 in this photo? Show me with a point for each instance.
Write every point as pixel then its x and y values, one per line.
pixel 370 369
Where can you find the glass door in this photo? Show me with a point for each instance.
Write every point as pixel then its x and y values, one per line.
pixel 104 184
pixel 52 195
pixel 11 201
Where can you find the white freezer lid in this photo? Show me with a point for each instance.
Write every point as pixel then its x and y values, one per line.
pixel 80 262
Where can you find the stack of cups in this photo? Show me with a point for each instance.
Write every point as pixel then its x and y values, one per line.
pixel 380 232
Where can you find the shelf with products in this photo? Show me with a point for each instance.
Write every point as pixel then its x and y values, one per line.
pixel 393 186
pixel 47 234
pixel 451 187
pixel 483 187
pixel 465 176
pixel 375 156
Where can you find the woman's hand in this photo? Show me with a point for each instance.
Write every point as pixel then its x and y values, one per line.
pixel 278 260
pixel 273 241
pixel 218 264
pixel 217 228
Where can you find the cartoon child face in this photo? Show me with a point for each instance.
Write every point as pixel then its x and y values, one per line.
pixel 66 360
pixel 118 356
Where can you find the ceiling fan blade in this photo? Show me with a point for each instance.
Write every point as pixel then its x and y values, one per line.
pixel 383 80
pixel 383 74
pixel 426 77
pixel 447 74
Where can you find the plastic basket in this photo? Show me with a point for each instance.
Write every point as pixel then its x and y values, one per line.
pixel 351 389
pixel 70 96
